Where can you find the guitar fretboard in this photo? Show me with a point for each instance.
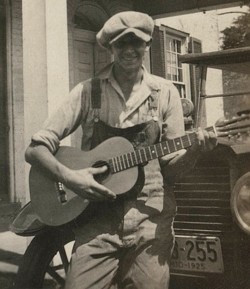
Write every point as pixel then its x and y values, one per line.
pixel 145 154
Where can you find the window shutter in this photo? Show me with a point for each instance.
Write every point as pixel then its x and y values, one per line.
pixel 194 46
pixel 157 53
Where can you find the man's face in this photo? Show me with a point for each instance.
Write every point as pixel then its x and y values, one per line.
pixel 129 51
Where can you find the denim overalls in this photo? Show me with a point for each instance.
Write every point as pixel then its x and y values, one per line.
pixel 112 248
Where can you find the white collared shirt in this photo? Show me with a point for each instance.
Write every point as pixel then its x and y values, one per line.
pixel 115 110
pixel 154 200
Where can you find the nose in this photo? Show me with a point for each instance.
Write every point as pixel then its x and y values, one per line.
pixel 129 48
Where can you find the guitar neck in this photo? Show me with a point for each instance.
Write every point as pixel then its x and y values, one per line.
pixel 145 154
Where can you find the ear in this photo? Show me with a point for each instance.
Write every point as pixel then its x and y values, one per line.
pixel 148 44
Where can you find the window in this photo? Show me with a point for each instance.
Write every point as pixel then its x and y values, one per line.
pixel 174 69
pixel 174 45
pixel 168 43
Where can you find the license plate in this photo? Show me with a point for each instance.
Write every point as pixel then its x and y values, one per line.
pixel 197 254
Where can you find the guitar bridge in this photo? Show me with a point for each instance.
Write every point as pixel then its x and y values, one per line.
pixel 62 196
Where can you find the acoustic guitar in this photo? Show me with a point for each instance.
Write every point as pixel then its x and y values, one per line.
pixel 55 204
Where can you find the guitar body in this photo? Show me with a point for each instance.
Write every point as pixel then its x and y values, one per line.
pixel 47 197
pixel 44 190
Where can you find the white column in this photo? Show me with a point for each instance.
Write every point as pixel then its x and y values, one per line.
pixel 45 61
pixel 57 52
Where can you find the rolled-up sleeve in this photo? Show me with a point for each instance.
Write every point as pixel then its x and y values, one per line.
pixel 62 122
pixel 172 113
pixel 172 117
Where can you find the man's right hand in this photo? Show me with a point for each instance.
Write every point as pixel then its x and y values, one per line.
pixel 82 182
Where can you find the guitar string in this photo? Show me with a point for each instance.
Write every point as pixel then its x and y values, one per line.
pixel 141 155
pixel 160 148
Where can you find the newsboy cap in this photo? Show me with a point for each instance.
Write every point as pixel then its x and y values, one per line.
pixel 140 24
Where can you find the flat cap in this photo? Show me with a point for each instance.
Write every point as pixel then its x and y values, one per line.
pixel 140 24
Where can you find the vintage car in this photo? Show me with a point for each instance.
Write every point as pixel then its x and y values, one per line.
pixel 212 225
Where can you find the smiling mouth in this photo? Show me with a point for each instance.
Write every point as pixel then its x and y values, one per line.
pixel 129 58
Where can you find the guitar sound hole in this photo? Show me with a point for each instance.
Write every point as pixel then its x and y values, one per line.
pixel 101 177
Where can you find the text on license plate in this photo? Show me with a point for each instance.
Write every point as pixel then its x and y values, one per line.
pixel 199 254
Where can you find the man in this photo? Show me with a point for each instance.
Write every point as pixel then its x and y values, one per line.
pixel 128 241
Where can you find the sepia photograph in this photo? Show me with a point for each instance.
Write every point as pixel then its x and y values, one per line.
pixel 124 144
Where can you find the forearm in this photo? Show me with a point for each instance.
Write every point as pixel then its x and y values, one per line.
pixel 41 157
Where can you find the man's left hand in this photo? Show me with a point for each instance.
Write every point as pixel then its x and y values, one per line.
pixel 206 141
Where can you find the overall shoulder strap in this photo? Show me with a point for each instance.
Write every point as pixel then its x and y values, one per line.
pixel 153 104
pixel 96 93
pixel 96 96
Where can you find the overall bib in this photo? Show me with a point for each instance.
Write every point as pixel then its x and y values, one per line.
pixel 110 250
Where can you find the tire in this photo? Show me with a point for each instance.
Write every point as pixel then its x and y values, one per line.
pixel 37 260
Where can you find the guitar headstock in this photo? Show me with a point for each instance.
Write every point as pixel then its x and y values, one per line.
pixel 235 132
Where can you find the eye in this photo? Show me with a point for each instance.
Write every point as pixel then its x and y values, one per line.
pixel 135 42
pixel 120 44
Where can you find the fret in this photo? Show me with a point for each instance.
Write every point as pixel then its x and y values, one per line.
pixel 162 152
pixel 189 140
pixel 118 164
pixel 133 158
pixel 119 161
pixel 122 162
pixel 111 165
pixel 156 152
pixel 130 159
pixel 181 140
pixel 171 146
pixel 115 164
pixel 177 143
pixel 126 161
pixel 143 154
pixel 165 148
pixel 137 157
pixel 148 154
pixel 153 152
pixel 174 145
pixel 140 157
